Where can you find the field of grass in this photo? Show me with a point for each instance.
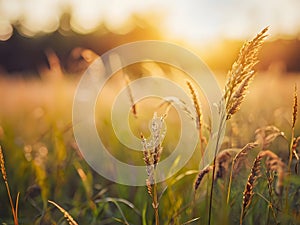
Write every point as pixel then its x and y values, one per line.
pixel 251 185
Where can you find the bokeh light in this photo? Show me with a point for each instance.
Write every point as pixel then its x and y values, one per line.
pixel 6 30
pixel 194 21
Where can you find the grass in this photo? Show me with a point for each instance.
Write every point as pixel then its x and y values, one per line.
pixel 14 208
pixel 254 178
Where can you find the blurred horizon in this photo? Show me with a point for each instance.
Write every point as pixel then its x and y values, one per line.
pixel 32 30
pixel 194 22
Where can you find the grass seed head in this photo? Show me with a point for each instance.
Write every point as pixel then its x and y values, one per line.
pixel 242 73
pixel 241 155
pixel 196 104
pixel 200 176
pixel 248 191
pixel 295 107
pixel 2 162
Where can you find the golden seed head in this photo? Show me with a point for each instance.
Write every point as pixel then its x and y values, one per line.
pixel 295 109
pixel 3 170
pixel 196 104
pixel 248 191
pixel 242 73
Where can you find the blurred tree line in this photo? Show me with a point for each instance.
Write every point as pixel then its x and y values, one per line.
pixel 29 56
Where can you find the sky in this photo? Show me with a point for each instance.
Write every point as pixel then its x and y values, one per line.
pixel 189 20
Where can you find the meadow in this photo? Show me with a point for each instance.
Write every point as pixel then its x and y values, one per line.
pixel 253 180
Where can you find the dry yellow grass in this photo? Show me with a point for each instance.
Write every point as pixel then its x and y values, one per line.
pixel 69 218
pixel 198 111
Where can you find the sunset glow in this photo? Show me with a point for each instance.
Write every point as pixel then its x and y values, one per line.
pixel 194 21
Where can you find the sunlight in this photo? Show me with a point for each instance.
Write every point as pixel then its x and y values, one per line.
pixel 40 16
pixel 86 15
pixel 6 30
pixel 195 21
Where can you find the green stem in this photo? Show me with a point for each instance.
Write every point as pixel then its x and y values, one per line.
pixel 229 184
pixel 289 168
pixel 222 124
pixel 155 202
pixel 155 206
pixel 270 207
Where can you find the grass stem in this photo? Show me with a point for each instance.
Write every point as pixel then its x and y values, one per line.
pixel 220 130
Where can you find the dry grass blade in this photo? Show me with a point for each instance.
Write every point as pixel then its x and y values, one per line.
pixel 248 191
pixel 69 218
pixel 191 221
pixel 242 73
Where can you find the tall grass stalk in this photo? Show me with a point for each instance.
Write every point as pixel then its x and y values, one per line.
pixel 155 203
pixel 152 150
pixel 248 192
pixel 220 130
pixel 198 112
pixel 238 80
pixel 294 119
pixel 14 209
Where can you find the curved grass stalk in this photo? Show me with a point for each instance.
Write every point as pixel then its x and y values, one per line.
pixel 112 200
pixel 178 178
pixel 239 78
pixel 220 130
pixel 294 119
pixel 191 221
pixel 119 200
pixel 66 214
pixel 238 156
